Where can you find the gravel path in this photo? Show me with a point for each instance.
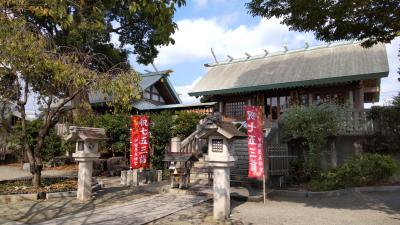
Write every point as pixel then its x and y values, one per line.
pixel 13 172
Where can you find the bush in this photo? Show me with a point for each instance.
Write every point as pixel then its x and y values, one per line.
pixel 185 124
pixel 386 140
pixel 363 170
pixel 161 134
pixel 312 125
pixel 53 144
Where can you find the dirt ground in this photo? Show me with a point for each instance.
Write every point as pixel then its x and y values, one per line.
pixel 379 208
pixel 15 171
pixel 374 208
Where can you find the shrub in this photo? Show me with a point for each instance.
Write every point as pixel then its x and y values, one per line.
pixel 386 140
pixel 185 124
pixel 362 170
pixel 161 134
pixel 53 144
pixel 313 125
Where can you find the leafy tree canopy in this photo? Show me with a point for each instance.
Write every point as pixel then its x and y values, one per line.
pixel 370 21
pixel 89 25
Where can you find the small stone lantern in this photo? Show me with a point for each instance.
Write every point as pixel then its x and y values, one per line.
pixel 220 157
pixel 87 143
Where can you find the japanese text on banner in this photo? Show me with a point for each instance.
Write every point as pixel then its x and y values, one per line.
pixel 139 142
pixel 254 121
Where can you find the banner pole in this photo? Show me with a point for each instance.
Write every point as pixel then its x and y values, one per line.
pixel 264 187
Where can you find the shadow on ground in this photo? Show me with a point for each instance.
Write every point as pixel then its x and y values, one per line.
pixel 38 211
pixel 388 202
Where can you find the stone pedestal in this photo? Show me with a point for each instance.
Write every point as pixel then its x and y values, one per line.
pixel 221 189
pixel 85 180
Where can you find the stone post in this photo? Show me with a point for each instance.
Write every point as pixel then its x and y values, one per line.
pixel 221 190
pixel 85 180
pixel 220 159
pixel 175 144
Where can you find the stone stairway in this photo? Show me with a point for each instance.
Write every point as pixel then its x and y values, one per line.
pixel 199 173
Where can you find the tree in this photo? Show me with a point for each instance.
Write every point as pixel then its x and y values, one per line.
pixel 32 64
pixel 140 25
pixel 58 50
pixel 367 21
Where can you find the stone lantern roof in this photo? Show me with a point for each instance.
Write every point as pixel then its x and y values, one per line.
pixel 86 134
pixel 226 129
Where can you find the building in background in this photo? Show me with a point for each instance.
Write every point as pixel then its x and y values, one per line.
pixel 341 73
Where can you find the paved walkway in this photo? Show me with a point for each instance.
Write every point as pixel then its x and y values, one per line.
pixel 140 211
pixel 14 172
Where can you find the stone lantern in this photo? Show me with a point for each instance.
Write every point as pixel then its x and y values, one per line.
pixel 220 157
pixel 87 143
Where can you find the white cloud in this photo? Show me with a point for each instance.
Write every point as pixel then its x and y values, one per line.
pixel 201 3
pixel 195 37
pixel 204 3
pixel 183 90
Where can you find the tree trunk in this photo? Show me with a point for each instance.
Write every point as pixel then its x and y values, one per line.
pixel 36 171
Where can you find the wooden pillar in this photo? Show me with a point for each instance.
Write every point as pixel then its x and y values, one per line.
pixel 351 99
pixel 310 99
pixel 361 95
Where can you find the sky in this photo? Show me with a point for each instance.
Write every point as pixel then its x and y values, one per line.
pixel 226 27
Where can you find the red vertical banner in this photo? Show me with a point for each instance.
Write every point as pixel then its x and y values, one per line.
pixel 139 142
pixel 255 124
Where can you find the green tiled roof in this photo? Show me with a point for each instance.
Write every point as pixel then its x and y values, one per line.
pixel 312 66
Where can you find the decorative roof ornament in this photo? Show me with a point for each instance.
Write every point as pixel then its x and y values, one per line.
pixel 248 55
pixel 230 58
pixel 306 45
pixel 154 67
pixel 286 48
pixel 266 52
pixel 215 58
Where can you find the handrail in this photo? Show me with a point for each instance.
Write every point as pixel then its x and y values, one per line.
pixel 192 142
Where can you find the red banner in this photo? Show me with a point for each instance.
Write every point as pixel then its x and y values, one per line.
pixel 255 123
pixel 139 142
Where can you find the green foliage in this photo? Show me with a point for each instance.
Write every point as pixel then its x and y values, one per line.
pixel 164 126
pixel 387 120
pixel 185 124
pixel 161 134
pixel 362 170
pixel 396 99
pixel 313 125
pixel 297 172
pixel 367 21
pixel 88 25
pixel 53 145
pixel 117 128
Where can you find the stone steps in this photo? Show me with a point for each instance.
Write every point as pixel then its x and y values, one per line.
pixel 199 172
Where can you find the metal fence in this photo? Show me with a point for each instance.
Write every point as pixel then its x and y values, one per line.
pixel 278 159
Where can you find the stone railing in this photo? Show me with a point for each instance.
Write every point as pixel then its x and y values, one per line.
pixel 62 129
pixel 356 122
pixel 192 144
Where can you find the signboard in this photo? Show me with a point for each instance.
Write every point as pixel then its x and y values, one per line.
pixel 139 157
pixel 255 123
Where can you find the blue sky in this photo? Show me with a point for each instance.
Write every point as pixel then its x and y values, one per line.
pixel 226 27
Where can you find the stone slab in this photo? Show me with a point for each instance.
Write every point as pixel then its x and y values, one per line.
pixel 141 211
